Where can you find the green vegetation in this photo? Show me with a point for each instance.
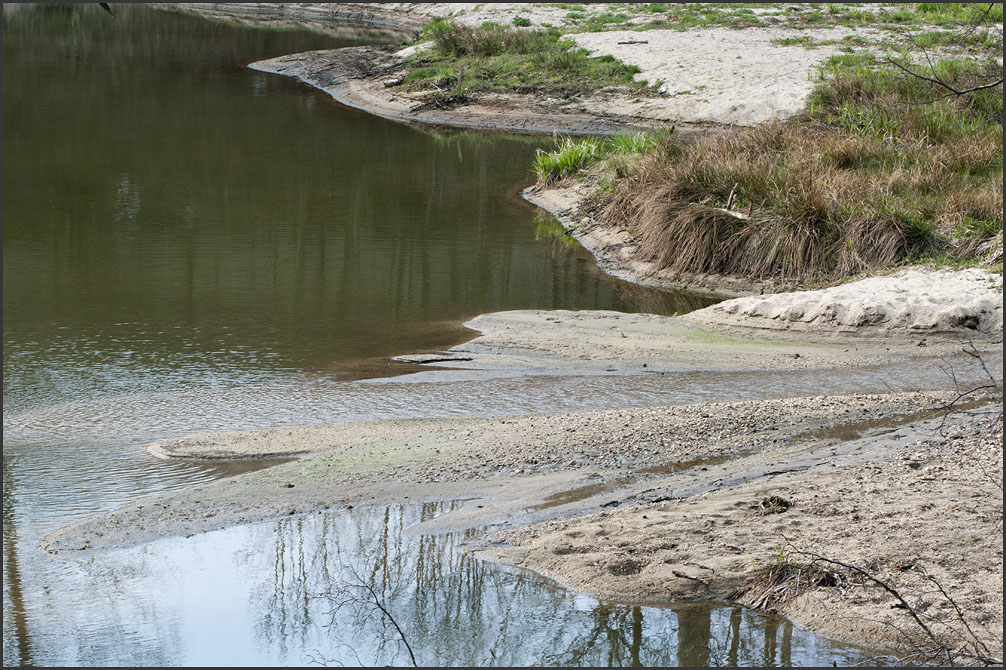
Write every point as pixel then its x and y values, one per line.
pixel 883 168
pixel 960 13
pixel 495 58
pixel 685 16
pixel 567 159
pixel 570 157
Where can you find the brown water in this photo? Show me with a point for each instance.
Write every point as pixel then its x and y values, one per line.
pixel 190 245
pixel 174 220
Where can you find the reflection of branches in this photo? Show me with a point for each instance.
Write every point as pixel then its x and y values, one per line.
pixel 961 646
pixel 366 607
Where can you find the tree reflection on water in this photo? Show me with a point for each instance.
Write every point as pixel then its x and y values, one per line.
pixel 455 609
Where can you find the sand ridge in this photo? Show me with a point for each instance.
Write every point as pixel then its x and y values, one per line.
pixel 968 303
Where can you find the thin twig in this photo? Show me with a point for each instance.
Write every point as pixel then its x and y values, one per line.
pixel 940 82
pixel 981 653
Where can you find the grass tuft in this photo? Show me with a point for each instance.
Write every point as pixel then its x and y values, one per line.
pixel 570 157
pixel 497 58
pixel 567 159
pixel 878 172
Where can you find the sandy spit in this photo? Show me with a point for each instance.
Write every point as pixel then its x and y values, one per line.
pixel 355 76
pixel 525 457
pixel 599 342
pixel 917 501
pixel 711 78
pixel 622 503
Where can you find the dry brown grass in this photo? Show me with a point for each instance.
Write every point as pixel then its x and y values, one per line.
pixel 792 200
pixel 783 580
pixel 878 171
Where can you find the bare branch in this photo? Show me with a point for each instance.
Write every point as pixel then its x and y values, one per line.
pixel 902 603
pixel 366 608
pixel 974 648
pixel 973 352
pixel 377 603
pixel 939 82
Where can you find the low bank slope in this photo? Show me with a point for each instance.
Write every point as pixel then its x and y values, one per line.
pixel 965 303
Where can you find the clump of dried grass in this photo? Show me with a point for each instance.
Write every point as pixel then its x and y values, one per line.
pixel 790 200
pixel 866 181
pixel 783 580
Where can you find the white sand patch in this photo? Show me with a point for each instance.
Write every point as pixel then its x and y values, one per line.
pixel 718 75
pixel 966 302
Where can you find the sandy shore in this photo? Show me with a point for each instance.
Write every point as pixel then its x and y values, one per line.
pixel 666 490
pixel 902 505
pixel 699 93
pixel 658 504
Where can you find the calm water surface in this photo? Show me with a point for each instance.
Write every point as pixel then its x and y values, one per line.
pixel 190 245
pixel 283 593
pixel 175 220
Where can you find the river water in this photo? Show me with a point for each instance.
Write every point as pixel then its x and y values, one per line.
pixel 190 245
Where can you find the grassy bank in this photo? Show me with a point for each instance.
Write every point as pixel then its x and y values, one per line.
pixel 883 168
pixel 600 17
pixel 463 61
pixel 683 16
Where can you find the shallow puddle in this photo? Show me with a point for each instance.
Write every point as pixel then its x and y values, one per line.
pixel 579 493
pixel 681 466
pixel 289 592
pixel 886 425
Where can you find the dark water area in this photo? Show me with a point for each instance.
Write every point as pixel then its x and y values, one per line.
pixel 191 245
pixel 173 219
